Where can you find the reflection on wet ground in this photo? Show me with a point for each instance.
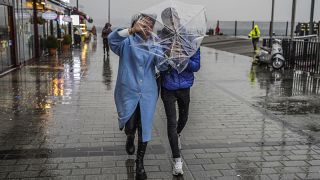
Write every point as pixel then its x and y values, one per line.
pixel 58 120
pixel 289 92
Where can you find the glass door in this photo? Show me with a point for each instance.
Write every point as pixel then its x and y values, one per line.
pixel 5 42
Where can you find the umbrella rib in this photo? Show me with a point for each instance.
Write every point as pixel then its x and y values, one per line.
pixel 202 10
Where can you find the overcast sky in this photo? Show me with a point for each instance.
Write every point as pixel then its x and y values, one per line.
pixel 224 10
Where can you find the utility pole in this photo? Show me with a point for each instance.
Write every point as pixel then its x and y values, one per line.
pixel 77 4
pixel 272 19
pixel 311 17
pixel 109 11
pixel 293 17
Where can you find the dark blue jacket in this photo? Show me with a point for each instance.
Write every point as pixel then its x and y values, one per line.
pixel 172 80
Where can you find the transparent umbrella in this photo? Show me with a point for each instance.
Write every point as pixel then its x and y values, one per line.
pixel 177 32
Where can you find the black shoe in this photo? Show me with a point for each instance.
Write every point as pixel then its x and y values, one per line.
pixel 130 148
pixel 140 171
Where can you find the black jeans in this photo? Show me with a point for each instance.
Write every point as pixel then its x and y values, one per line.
pixel 255 42
pixel 134 123
pixel 174 127
pixel 106 45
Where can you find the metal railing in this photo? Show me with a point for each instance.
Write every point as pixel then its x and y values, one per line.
pixel 301 54
pixel 242 28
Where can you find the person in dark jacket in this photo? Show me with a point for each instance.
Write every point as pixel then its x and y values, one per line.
pixel 105 33
pixel 175 88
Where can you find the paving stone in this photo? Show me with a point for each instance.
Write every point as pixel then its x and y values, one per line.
pixel 86 171
pixel 33 167
pixel 100 177
pixel 72 165
pixel 211 173
pixel 216 166
pixel 7 162
pixel 196 167
pixel 54 172
pixel 3 175
pixel 13 168
pixel 294 163
pixel 88 159
pixel 207 155
pixel 314 162
pixel 269 164
pixel 198 161
pixel 23 174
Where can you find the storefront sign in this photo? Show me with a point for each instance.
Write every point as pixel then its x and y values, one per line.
pixel 49 15
pixel 67 19
pixel 75 20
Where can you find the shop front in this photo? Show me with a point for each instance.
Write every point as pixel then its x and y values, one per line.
pixel 52 21
pixel 7 55
pixel 23 29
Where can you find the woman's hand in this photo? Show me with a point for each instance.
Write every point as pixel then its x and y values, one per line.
pixel 143 27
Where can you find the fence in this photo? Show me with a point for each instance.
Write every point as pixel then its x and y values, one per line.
pixel 242 28
pixel 301 54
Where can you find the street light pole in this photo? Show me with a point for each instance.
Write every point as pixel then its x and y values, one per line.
pixel 272 19
pixel 77 4
pixel 109 11
pixel 311 17
pixel 293 17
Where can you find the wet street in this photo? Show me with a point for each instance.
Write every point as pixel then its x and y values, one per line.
pixel 58 121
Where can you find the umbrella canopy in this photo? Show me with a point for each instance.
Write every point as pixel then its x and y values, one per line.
pixel 177 32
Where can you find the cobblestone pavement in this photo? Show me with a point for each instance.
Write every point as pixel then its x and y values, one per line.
pixel 58 121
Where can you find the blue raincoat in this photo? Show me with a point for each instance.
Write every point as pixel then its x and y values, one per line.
pixel 136 82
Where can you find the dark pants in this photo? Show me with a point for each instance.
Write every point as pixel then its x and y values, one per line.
pixel 134 123
pixel 174 127
pixel 106 45
pixel 255 42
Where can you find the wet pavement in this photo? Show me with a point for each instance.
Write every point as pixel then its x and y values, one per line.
pixel 58 121
pixel 237 45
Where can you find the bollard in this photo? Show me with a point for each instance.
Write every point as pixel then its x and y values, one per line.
pixel 235 28
pixel 287 25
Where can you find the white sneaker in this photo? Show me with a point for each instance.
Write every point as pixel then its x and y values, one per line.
pixel 177 167
pixel 179 141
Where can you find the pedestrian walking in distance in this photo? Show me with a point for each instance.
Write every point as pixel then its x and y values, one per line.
pixel 105 32
pixel 255 35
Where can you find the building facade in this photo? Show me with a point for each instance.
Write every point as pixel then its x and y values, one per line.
pixel 23 29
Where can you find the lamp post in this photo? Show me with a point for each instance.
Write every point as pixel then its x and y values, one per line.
pixel 77 4
pixel 109 11
pixel 272 19
pixel 271 23
pixel 311 17
pixel 293 17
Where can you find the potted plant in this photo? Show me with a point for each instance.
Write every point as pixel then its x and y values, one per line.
pixel 52 45
pixel 67 41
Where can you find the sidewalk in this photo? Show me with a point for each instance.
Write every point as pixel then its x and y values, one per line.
pixel 58 121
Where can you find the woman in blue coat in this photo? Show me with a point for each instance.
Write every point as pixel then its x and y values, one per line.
pixel 136 89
